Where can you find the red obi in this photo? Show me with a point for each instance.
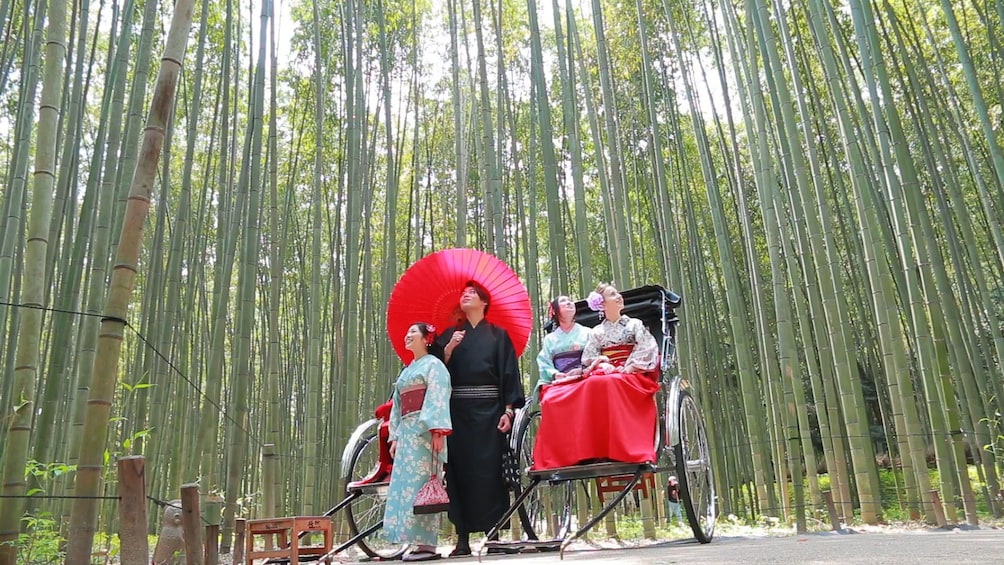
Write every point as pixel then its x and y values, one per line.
pixel 412 399
pixel 618 354
pixel 606 416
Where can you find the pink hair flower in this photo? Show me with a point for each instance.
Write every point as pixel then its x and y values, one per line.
pixel 594 301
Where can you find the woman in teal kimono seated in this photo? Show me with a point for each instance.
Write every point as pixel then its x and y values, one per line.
pixel 419 424
pixel 611 406
pixel 560 357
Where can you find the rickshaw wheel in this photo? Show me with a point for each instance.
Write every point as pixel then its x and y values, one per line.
pixel 693 469
pixel 368 508
pixel 547 511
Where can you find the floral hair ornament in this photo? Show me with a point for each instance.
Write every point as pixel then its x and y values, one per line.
pixel 430 334
pixel 595 301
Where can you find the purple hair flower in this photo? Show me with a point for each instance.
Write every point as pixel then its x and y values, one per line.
pixel 595 301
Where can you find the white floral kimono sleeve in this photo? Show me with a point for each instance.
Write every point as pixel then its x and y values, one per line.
pixel 645 355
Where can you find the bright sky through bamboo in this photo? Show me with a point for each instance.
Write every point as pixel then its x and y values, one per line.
pixel 286 25
pixel 435 47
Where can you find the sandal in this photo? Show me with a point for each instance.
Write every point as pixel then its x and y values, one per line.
pixel 422 556
pixel 461 551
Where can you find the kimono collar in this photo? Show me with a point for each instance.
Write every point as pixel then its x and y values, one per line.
pixel 623 321
pixel 570 330
pixel 466 324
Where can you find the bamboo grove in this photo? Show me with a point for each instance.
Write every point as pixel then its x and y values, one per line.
pixel 822 182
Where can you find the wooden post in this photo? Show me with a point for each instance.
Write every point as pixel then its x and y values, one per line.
pixel 939 511
pixel 212 514
pixel 240 527
pixel 132 510
pixel 832 509
pixel 191 522
pixel 268 464
pixel 212 552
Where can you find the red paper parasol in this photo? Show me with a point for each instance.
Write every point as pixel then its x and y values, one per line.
pixel 429 291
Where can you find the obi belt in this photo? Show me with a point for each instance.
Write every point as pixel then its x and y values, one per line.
pixel 567 360
pixel 412 399
pixel 618 354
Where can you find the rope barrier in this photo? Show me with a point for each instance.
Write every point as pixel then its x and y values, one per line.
pixel 59 496
pixel 167 504
pixel 153 348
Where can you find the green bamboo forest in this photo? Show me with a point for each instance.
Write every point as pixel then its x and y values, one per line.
pixel 205 206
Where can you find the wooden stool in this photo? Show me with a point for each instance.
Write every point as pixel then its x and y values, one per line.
pixel 616 483
pixel 282 538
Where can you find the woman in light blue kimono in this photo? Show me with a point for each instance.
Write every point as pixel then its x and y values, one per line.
pixel 419 424
pixel 560 356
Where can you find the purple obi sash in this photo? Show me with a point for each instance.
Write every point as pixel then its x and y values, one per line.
pixel 567 360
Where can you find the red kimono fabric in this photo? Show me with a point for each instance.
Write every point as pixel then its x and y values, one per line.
pixel 604 416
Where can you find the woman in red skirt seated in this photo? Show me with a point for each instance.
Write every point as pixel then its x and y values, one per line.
pixel 608 413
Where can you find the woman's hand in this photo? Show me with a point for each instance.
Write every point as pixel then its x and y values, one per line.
pixel 568 377
pixel 437 441
pixel 596 362
pixel 505 421
pixel 393 448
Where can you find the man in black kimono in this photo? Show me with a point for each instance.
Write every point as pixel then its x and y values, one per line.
pixel 486 391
